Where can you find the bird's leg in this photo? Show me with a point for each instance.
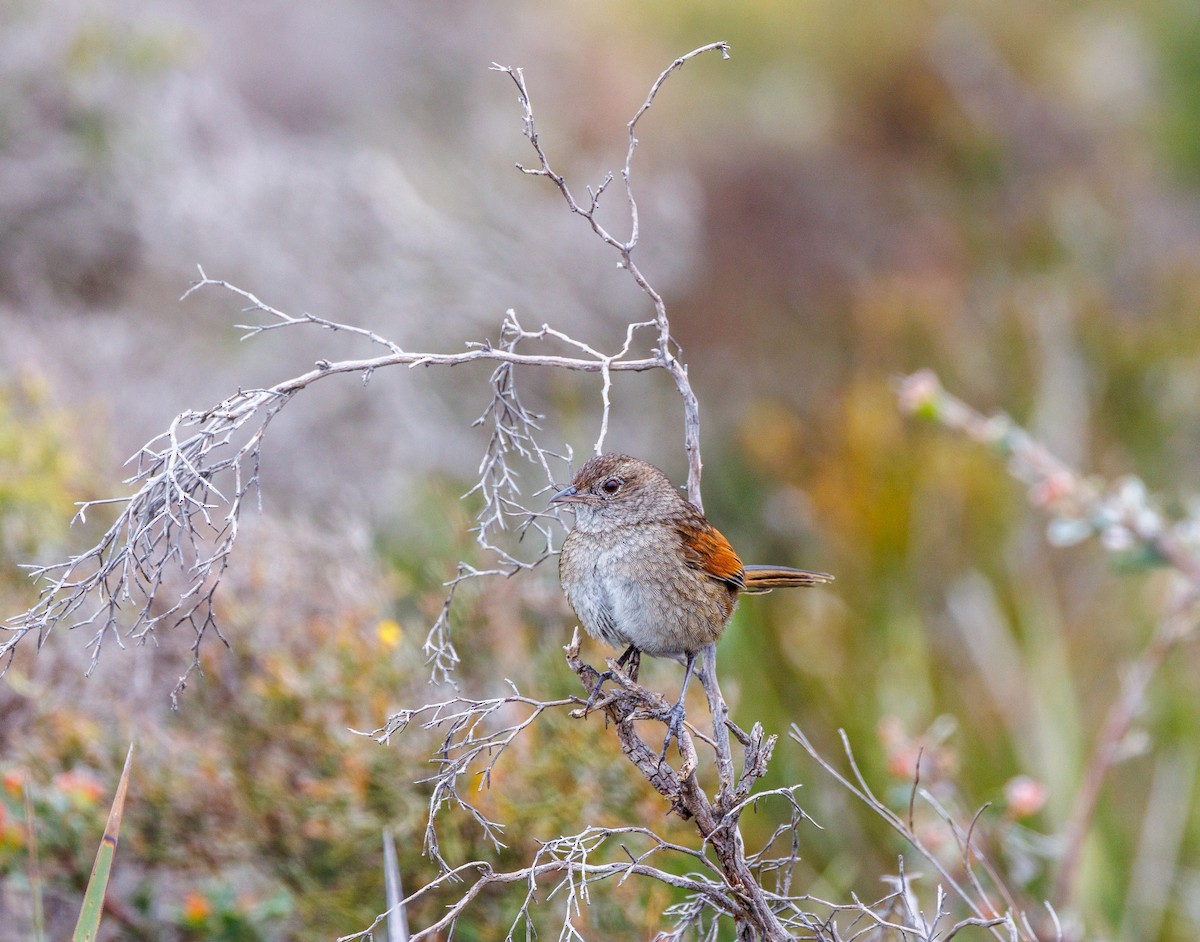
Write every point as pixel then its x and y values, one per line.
pixel 633 656
pixel 678 713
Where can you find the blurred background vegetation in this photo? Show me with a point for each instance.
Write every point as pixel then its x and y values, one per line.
pixel 1008 193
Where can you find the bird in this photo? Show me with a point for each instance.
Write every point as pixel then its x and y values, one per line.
pixel 644 570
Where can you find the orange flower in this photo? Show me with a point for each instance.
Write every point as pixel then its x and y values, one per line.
pixel 14 781
pixel 81 787
pixel 196 908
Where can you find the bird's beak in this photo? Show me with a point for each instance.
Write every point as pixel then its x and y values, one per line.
pixel 567 495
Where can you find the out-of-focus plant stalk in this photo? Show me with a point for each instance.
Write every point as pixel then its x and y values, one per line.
pixel 1122 515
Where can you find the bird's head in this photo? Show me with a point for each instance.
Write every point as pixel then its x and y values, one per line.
pixel 617 490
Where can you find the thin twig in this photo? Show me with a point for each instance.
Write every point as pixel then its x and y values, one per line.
pixel 1180 625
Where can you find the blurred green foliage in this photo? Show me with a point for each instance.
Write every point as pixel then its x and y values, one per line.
pixel 42 474
pixel 1177 30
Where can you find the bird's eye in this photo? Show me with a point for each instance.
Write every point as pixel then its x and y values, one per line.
pixel 611 486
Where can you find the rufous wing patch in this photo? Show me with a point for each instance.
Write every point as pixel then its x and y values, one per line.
pixel 706 549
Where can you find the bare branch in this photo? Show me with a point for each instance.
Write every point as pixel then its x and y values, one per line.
pixel 468 748
pixel 667 350
pixel 976 902
pixel 162 559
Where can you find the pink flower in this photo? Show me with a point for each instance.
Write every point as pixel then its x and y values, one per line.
pixel 1025 796
pixel 919 392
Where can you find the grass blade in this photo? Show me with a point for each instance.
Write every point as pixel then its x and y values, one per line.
pixel 397 921
pixel 35 870
pixel 93 900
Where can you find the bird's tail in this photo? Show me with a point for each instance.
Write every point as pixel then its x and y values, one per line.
pixel 766 578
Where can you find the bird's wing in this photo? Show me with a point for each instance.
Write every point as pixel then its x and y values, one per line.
pixel 707 550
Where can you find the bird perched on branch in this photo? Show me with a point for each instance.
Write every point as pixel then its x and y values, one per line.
pixel 644 570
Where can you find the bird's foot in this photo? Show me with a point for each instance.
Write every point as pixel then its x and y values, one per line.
pixel 634 666
pixel 595 694
pixel 625 670
pixel 674 728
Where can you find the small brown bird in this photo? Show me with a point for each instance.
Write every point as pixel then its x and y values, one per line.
pixel 643 569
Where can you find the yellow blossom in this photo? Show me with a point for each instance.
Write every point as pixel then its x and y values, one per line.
pixel 389 632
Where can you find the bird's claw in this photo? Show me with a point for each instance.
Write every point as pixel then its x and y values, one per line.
pixel 595 694
pixel 674 728
pixel 633 668
pixel 630 663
